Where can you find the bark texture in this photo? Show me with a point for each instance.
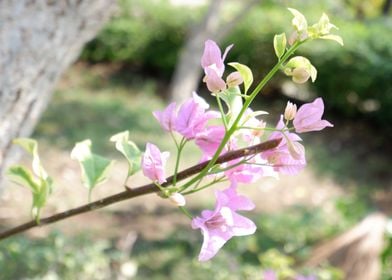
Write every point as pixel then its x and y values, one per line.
pixel 39 39
pixel 188 71
pixel 357 251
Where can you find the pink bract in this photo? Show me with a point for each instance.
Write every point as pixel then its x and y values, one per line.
pixel 212 55
pixel 308 117
pixel 212 62
pixel 167 117
pixel 289 157
pixel 223 223
pixel 192 117
pixel 209 140
pixel 153 163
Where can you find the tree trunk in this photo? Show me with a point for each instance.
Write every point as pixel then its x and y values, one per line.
pixel 357 251
pixel 188 72
pixel 39 39
pixel 386 7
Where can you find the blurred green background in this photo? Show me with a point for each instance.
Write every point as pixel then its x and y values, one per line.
pixel 124 74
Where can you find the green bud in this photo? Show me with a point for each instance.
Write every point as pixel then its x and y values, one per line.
pixel 280 42
pixel 299 21
pixel 300 69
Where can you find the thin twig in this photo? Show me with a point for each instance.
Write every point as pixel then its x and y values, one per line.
pixel 139 191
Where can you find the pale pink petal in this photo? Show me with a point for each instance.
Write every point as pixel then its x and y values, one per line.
pixel 242 226
pixel 209 139
pixel 223 223
pixel 153 163
pixel 235 201
pixel 308 117
pixel 192 117
pixel 214 82
pixel 167 117
pixel 211 55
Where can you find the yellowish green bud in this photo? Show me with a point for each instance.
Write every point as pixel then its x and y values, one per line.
pixel 280 42
pixel 299 21
pixel 300 69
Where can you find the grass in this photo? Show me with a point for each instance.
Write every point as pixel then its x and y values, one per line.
pixel 96 108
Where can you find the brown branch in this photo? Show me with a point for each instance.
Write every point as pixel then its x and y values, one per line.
pixel 142 190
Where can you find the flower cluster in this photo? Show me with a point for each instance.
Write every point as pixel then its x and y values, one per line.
pixel 216 132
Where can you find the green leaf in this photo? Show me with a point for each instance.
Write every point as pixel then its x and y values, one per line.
pixel 129 149
pixel 245 73
pixel 299 21
pixel 31 146
pixel 232 98
pixel 41 188
pixel 94 167
pixel 280 42
pixel 22 176
pixel 335 38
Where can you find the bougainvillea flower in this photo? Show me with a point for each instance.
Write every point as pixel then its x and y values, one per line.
pixel 209 139
pixel 270 275
pixel 212 62
pixel 308 117
pixel 212 55
pixel 244 173
pixel 223 223
pixel 289 157
pixel 214 82
pixel 192 117
pixel 153 163
pixel 167 117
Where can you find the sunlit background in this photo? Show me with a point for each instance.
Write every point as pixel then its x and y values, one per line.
pixel 126 72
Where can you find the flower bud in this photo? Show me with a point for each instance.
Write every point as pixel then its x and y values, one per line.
pixel 300 75
pixel 234 79
pixel 177 199
pixel 290 111
pixel 300 69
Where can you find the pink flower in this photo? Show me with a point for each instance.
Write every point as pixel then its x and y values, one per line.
pixel 244 173
pixel 223 223
pixel 270 275
pixel 308 117
pixel 214 82
pixel 153 163
pixel 289 157
pixel 212 62
pixel 212 55
pixel 167 117
pixel 192 117
pixel 209 140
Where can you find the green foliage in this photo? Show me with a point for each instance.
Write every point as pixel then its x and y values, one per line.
pixel 129 150
pixel 242 258
pixel 280 42
pixel 95 168
pixel 386 256
pixel 82 110
pixel 38 181
pixel 144 33
pixel 151 33
pixel 85 257
pixel 246 74
pixel 363 85
pixel 55 257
